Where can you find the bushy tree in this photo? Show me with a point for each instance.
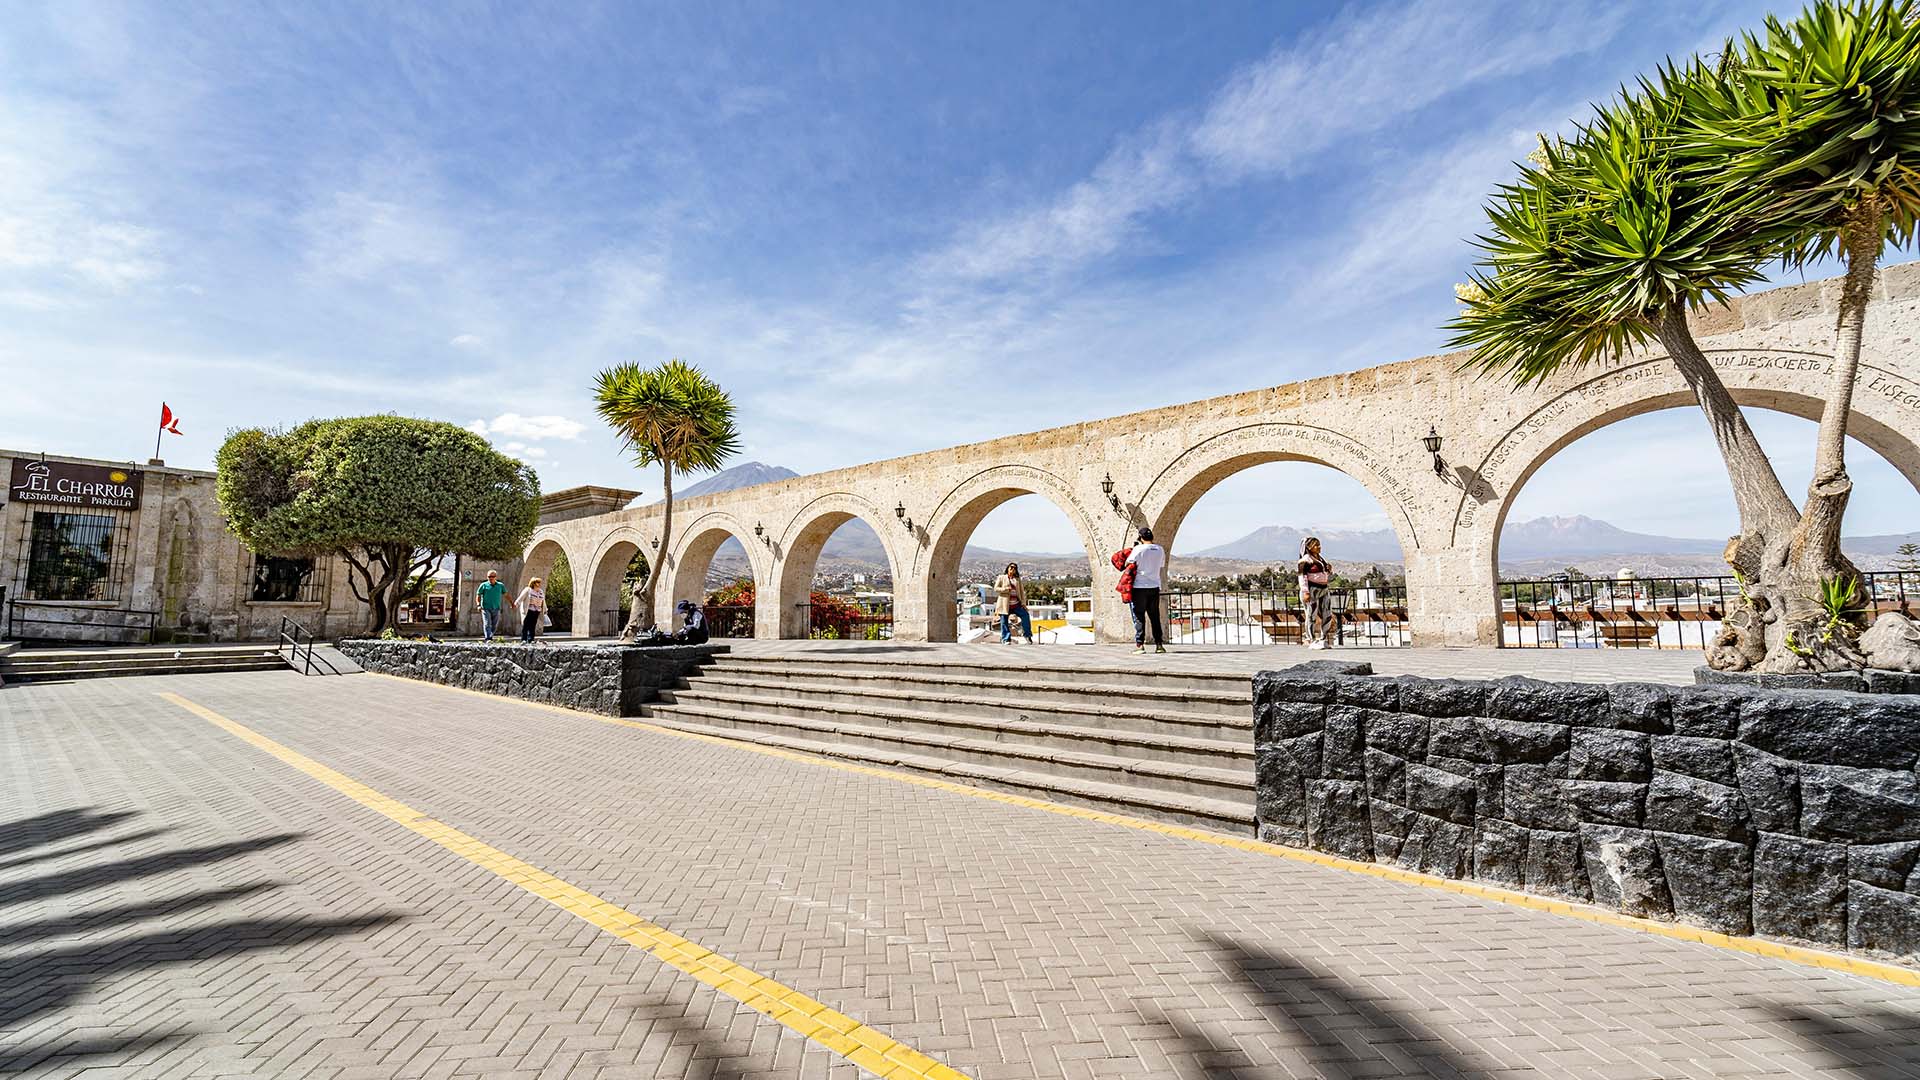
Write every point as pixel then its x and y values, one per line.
pixel 672 416
pixel 1795 143
pixel 391 495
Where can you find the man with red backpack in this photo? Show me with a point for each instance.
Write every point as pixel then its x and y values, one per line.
pixel 1140 568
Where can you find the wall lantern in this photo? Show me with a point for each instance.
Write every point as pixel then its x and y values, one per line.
pixel 654 543
pixel 1432 442
pixel 1106 488
pixel 900 511
pixel 760 531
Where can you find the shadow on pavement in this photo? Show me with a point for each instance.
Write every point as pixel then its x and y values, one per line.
pixel 97 845
pixel 51 828
pixel 1344 1031
pixel 100 918
pixel 92 877
pixel 69 1052
pixel 1868 1043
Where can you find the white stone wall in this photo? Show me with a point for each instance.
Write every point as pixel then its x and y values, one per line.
pixel 1771 349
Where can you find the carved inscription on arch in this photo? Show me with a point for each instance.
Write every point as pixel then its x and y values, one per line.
pixel 1323 445
pixel 1025 478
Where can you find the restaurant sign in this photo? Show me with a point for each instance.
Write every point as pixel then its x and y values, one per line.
pixel 63 483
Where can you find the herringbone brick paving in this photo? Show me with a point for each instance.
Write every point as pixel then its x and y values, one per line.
pixel 174 902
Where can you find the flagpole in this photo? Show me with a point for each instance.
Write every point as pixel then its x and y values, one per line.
pixel 156 440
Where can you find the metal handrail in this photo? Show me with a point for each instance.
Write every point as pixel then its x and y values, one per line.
pixel 290 634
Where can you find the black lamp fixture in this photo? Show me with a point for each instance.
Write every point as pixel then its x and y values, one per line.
pixel 1106 488
pixel 760 531
pixel 900 511
pixel 654 543
pixel 1432 442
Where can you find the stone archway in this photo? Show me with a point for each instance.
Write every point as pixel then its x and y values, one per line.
pixel 1780 380
pixel 1174 491
pixel 600 590
pixel 801 543
pixel 944 538
pixel 686 571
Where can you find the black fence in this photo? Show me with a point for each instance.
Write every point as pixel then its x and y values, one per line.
pixel 729 621
pixel 846 624
pixel 1363 616
pixel 70 624
pixel 1651 612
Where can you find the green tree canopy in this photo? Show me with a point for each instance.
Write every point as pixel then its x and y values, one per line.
pixel 390 494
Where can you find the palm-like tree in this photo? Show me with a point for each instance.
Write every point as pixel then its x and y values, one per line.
pixel 672 416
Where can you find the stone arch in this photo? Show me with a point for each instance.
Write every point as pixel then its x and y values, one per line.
pixel 804 537
pixel 693 550
pixel 959 512
pixel 599 588
pixel 1174 491
pixel 1778 380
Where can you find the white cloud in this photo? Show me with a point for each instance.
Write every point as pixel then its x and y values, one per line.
pixel 528 428
pixel 522 450
pixel 466 341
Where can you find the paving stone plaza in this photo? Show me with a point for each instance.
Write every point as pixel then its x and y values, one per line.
pixel 262 874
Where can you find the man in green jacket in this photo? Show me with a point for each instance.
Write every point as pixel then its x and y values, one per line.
pixel 491 595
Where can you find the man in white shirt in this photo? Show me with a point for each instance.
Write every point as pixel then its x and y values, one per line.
pixel 1148 560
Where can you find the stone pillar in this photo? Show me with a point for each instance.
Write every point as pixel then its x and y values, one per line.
pixel 1450 599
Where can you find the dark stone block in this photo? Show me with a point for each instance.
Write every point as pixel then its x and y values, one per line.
pixel 1711 881
pixel 1532 797
pixel 1534 701
pixel 1442 697
pixel 1489 798
pixel 1342 742
pixel 1800 889
pixel 1281 771
pixel 1337 819
pixel 1772 789
pixel 1623 868
pixel 1866 806
pixel 1284 835
pixel 1494 739
pixel 1604 802
pixel 1685 804
pixel 1436 847
pixel 1850 681
pixel 1390 826
pixel 1867 731
pixel 1891 682
pixel 1707 759
pixel 1328 668
pixel 1286 720
pixel 1888 866
pixel 1440 794
pixel 1304 687
pixel 1500 853
pixel 1554 865
pixel 1883 921
pixel 1382 695
pixel 1707 713
pixel 1386 776
pixel 1398 733
pixel 606 679
pixel 1643 707
pixel 1607 754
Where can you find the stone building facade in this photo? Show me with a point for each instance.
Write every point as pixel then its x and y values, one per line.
pixel 1773 349
pixel 105 551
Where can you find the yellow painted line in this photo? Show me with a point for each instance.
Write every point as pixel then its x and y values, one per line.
pixel 1852 965
pixel 842 1034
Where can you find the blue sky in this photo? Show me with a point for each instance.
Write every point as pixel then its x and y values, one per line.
pixel 886 227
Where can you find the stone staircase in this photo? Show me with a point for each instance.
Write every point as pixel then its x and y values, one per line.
pixel 40 665
pixel 1174 746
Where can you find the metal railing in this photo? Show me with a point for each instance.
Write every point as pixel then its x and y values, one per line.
pixel 1652 612
pixel 298 641
pixel 1362 616
pixel 728 620
pixel 844 624
pixel 24 615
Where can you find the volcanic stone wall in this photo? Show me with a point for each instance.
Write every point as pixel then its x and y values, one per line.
pixel 1791 814
pixel 609 679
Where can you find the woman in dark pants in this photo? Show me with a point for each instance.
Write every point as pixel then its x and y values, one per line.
pixel 532 602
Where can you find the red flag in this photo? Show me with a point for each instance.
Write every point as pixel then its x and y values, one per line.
pixel 168 421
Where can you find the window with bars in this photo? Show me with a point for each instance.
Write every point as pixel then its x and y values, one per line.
pixel 75 556
pixel 282 579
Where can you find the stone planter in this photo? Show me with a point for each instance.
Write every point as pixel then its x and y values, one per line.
pixel 612 680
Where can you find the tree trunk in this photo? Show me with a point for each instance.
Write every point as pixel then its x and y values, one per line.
pixel 642 614
pixel 1810 639
pixel 1767 514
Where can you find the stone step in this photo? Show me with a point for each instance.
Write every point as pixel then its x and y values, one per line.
pixel 1091 708
pixel 927 680
pixel 11 673
pixel 1027 663
pixel 1212 782
pixel 1206 743
pixel 1231 815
